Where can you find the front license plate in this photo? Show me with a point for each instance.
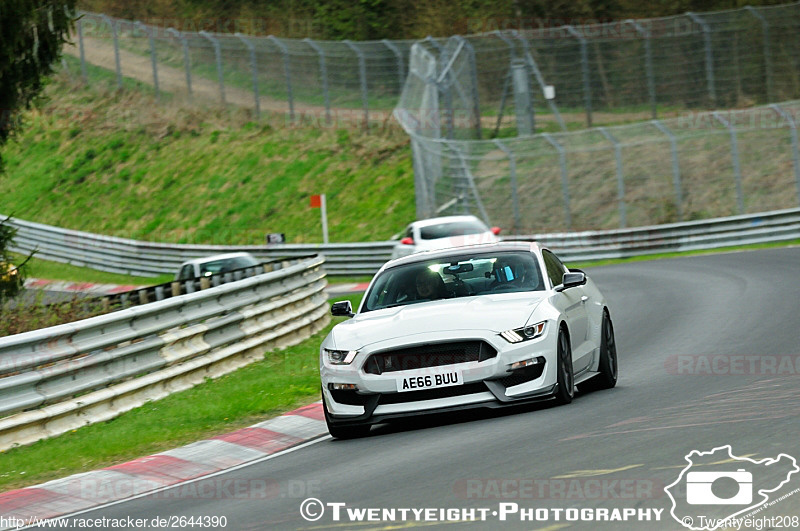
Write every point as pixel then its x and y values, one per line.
pixel 429 381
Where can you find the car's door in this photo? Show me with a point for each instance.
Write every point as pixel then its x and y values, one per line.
pixel 572 302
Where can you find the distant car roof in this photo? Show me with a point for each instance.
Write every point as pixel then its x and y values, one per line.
pixel 479 248
pixel 216 257
pixel 445 219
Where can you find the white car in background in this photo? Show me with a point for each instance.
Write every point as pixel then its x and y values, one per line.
pixel 479 326
pixel 211 265
pixel 444 232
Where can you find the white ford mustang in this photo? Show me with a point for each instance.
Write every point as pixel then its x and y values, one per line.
pixel 478 326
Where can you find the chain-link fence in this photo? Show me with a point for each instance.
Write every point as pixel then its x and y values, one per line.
pixel 702 165
pixel 600 74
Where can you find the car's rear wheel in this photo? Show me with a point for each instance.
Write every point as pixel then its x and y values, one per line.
pixel 608 367
pixel 565 390
pixel 344 432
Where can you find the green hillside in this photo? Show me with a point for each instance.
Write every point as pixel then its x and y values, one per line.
pixel 116 163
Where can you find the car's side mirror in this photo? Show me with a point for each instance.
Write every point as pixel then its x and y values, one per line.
pixel 407 241
pixel 496 231
pixel 571 280
pixel 342 309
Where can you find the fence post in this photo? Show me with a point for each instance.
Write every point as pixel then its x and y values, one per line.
pixel 512 52
pixel 153 60
pixel 767 54
pixel 218 56
pixel 113 25
pixel 587 88
pixel 676 169
pixel 448 96
pixel 473 71
pixel 648 64
pixel 324 74
pixel 512 169
pixel 712 93
pixel 401 70
pixel 187 62
pixel 620 177
pixel 795 149
pixel 737 171
pixel 253 69
pixel 562 162
pixel 362 76
pixel 82 51
pixel 540 79
pixel 287 71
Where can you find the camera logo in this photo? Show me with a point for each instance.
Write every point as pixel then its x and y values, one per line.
pixel 699 488
pixel 716 487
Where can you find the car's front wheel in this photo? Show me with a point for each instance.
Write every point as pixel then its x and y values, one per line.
pixel 344 432
pixel 565 390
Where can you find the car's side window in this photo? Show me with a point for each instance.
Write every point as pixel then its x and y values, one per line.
pixel 409 232
pixel 555 269
pixel 186 272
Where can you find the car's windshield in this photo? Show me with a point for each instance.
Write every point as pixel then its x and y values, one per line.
pixel 453 228
pixel 454 276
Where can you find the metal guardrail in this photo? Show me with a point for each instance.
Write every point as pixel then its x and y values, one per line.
pixel 120 255
pixel 145 258
pixel 587 246
pixel 60 378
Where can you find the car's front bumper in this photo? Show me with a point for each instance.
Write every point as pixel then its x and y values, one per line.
pixel 488 383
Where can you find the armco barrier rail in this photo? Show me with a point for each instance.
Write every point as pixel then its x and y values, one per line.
pixel 60 378
pixel 145 258
pixel 120 255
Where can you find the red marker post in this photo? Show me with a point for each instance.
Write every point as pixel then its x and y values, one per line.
pixel 318 201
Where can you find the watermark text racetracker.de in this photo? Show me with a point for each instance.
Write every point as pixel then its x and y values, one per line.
pixel 730 364
pixel 313 509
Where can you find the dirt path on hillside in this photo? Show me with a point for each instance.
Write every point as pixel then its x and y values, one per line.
pixel 173 80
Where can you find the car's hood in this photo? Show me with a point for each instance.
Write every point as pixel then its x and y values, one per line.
pixel 496 313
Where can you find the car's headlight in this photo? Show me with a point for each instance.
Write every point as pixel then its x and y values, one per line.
pixel 525 333
pixel 340 357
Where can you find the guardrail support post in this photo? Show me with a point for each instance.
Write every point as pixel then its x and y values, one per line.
pixel 187 62
pixel 562 162
pixel 648 64
pixel 153 60
pixel 737 171
pixel 323 72
pixel 767 54
pixel 218 56
pixel 512 170
pixel 712 92
pixel 362 76
pixel 795 149
pixel 253 69
pixel 623 222
pixel 113 25
pixel 676 169
pixel 287 71
pixel 401 67
pixel 587 87
pixel 84 74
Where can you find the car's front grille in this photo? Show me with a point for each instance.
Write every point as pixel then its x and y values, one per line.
pixel 524 375
pixel 432 394
pixel 431 355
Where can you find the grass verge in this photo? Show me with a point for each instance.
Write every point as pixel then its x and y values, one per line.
pixel 40 268
pixel 282 381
